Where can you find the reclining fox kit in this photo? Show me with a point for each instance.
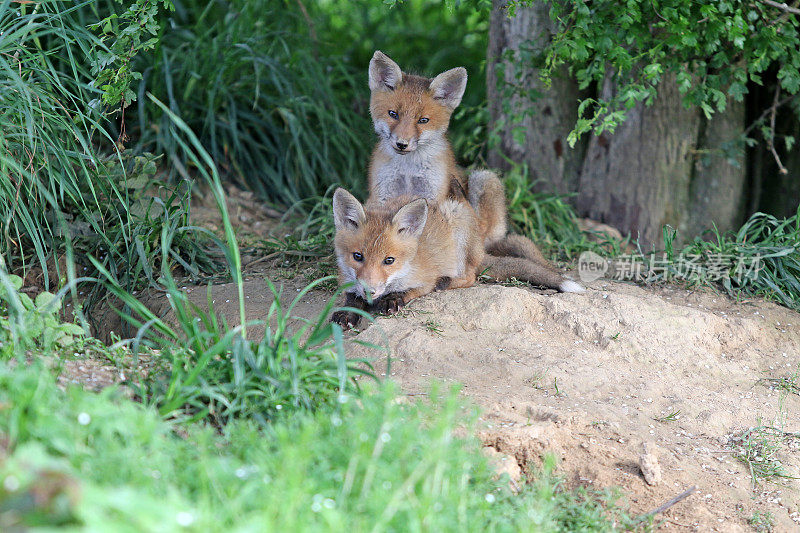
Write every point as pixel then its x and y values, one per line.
pixel 425 226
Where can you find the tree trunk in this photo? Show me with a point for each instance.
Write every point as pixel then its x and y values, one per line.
pixel 637 179
pixel 663 165
pixel 718 180
pixel 538 134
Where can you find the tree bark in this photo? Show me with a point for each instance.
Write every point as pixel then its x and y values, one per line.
pixel 717 184
pixel 663 165
pixel 637 179
pixel 544 116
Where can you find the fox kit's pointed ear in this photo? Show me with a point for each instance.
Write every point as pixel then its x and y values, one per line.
pixel 410 219
pixel 448 87
pixel 348 213
pixel 384 74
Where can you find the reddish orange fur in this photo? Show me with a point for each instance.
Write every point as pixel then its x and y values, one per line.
pixel 437 252
pixel 412 100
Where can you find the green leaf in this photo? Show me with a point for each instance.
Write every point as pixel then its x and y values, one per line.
pixel 16 281
pixel 26 301
pixel 72 329
pixel 43 299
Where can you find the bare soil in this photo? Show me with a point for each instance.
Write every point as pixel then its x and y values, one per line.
pixel 593 377
pixel 588 376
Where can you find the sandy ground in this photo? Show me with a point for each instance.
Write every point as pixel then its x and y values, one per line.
pixel 587 376
pixel 590 378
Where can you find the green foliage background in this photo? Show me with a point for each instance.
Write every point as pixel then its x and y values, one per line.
pixel 110 112
pixel 713 49
pixel 277 90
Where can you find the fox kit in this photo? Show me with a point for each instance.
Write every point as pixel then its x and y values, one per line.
pixel 407 247
pixel 413 157
pixel 402 249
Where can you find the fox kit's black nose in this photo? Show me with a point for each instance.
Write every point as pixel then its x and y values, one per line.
pixel 401 145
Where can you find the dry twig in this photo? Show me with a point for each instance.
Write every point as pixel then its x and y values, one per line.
pixel 666 505
pixel 771 140
pixel 782 6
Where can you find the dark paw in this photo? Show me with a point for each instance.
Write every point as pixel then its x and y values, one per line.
pixel 389 304
pixel 443 283
pixel 346 319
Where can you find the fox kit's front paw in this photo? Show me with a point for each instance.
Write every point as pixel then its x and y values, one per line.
pixel 390 304
pixel 443 283
pixel 346 319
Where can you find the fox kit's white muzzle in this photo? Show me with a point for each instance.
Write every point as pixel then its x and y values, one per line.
pixel 369 290
pixel 403 145
pixel 377 292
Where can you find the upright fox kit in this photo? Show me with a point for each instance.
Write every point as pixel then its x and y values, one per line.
pixel 405 248
pixel 413 157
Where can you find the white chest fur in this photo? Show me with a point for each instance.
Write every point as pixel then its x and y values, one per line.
pixel 422 173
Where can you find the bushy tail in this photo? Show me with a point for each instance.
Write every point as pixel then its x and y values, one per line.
pixel 505 268
pixel 519 246
pixel 488 198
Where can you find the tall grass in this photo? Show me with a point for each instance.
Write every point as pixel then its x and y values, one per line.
pixel 62 179
pixel 101 462
pixel 762 257
pixel 550 220
pixel 46 153
pixel 277 91
pixel 272 110
pixel 215 371
pixel 64 196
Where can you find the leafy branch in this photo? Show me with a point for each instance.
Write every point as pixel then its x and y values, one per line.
pixel 126 34
pixel 711 50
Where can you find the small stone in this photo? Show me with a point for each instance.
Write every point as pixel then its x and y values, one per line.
pixel 648 463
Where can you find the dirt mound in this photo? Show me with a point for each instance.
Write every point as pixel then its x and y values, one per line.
pixel 588 377
pixel 592 377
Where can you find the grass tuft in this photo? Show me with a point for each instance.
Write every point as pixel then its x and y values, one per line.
pixel 761 259
pixel 770 244
pixel 788 384
pixel 759 448
pixel 270 109
pixel 49 172
pixel 66 190
pixel 550 221
pixel 762 522
pixel 671 417
pixel 102 462
pixel 433 327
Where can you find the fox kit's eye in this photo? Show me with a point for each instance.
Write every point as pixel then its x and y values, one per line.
pixel 393 114
pixel 423 120
pixel 388 261
pixel 358 257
